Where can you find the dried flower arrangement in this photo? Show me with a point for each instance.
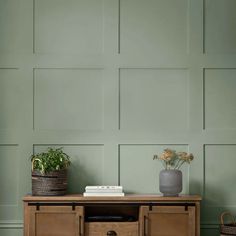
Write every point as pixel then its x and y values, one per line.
pixel 174 160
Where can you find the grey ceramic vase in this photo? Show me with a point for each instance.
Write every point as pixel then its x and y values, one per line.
pixel 170 182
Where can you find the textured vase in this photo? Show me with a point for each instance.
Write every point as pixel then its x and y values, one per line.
pixel 170 182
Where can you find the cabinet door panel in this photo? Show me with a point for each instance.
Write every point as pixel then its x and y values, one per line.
pixel 168 221
pixel 55 221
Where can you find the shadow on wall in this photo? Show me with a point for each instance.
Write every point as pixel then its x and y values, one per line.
pixel 214 202
pixel 79 178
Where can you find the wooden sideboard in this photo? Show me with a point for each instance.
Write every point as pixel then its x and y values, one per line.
pixel 132 215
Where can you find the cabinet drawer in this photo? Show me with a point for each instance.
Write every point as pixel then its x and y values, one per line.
pixel 103 228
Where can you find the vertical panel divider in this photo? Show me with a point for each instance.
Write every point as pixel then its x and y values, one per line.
pixel 119 25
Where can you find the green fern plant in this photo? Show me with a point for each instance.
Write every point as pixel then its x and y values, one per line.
pixel 53 159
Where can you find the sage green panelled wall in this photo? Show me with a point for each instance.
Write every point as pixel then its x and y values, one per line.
pixel 114 82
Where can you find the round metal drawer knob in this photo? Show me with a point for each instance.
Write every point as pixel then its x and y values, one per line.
pixel 111 233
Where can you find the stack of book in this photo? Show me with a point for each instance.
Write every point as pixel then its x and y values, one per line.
pixel 106 191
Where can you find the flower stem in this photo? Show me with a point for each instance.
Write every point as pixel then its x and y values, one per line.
pixel 176 166
pixel 180 164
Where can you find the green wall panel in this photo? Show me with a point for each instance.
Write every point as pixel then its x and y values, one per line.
pixel 114 82
pixel 220 98
pixel 16 26
pixel 219 190
pixel 8 25
pixel 9 160
pixel 222 156
pixel 154 99
pixel 9 98
pixel 66 109
pixel 9 181
pixel 162 27
pixel 71 26
pixel 220 33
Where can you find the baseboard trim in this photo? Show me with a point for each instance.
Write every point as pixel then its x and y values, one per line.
pixel 209 226
pixel 9 224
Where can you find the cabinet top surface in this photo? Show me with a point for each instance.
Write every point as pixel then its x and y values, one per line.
pixel 126 198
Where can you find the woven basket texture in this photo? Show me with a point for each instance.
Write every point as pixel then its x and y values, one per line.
pixel 53 183
pixel 228 229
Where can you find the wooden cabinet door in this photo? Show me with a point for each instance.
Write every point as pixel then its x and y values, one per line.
pixel 167 221
pixel 55 221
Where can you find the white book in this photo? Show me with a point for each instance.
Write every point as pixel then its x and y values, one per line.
pixel 104 188
pixel 103 191
pixel 99 194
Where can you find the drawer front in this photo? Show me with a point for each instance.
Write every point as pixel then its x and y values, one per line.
pixel 111 229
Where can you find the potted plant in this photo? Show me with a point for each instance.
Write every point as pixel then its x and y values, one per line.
pixel 49 172
pixel 170 179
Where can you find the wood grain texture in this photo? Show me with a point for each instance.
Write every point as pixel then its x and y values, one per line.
pixel 48 221
pixel 121 228
pixel 126 198
pixel 168 221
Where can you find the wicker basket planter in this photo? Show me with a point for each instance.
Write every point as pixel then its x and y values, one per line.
pixel 227 229
pixel 49 172
pixel 53 183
